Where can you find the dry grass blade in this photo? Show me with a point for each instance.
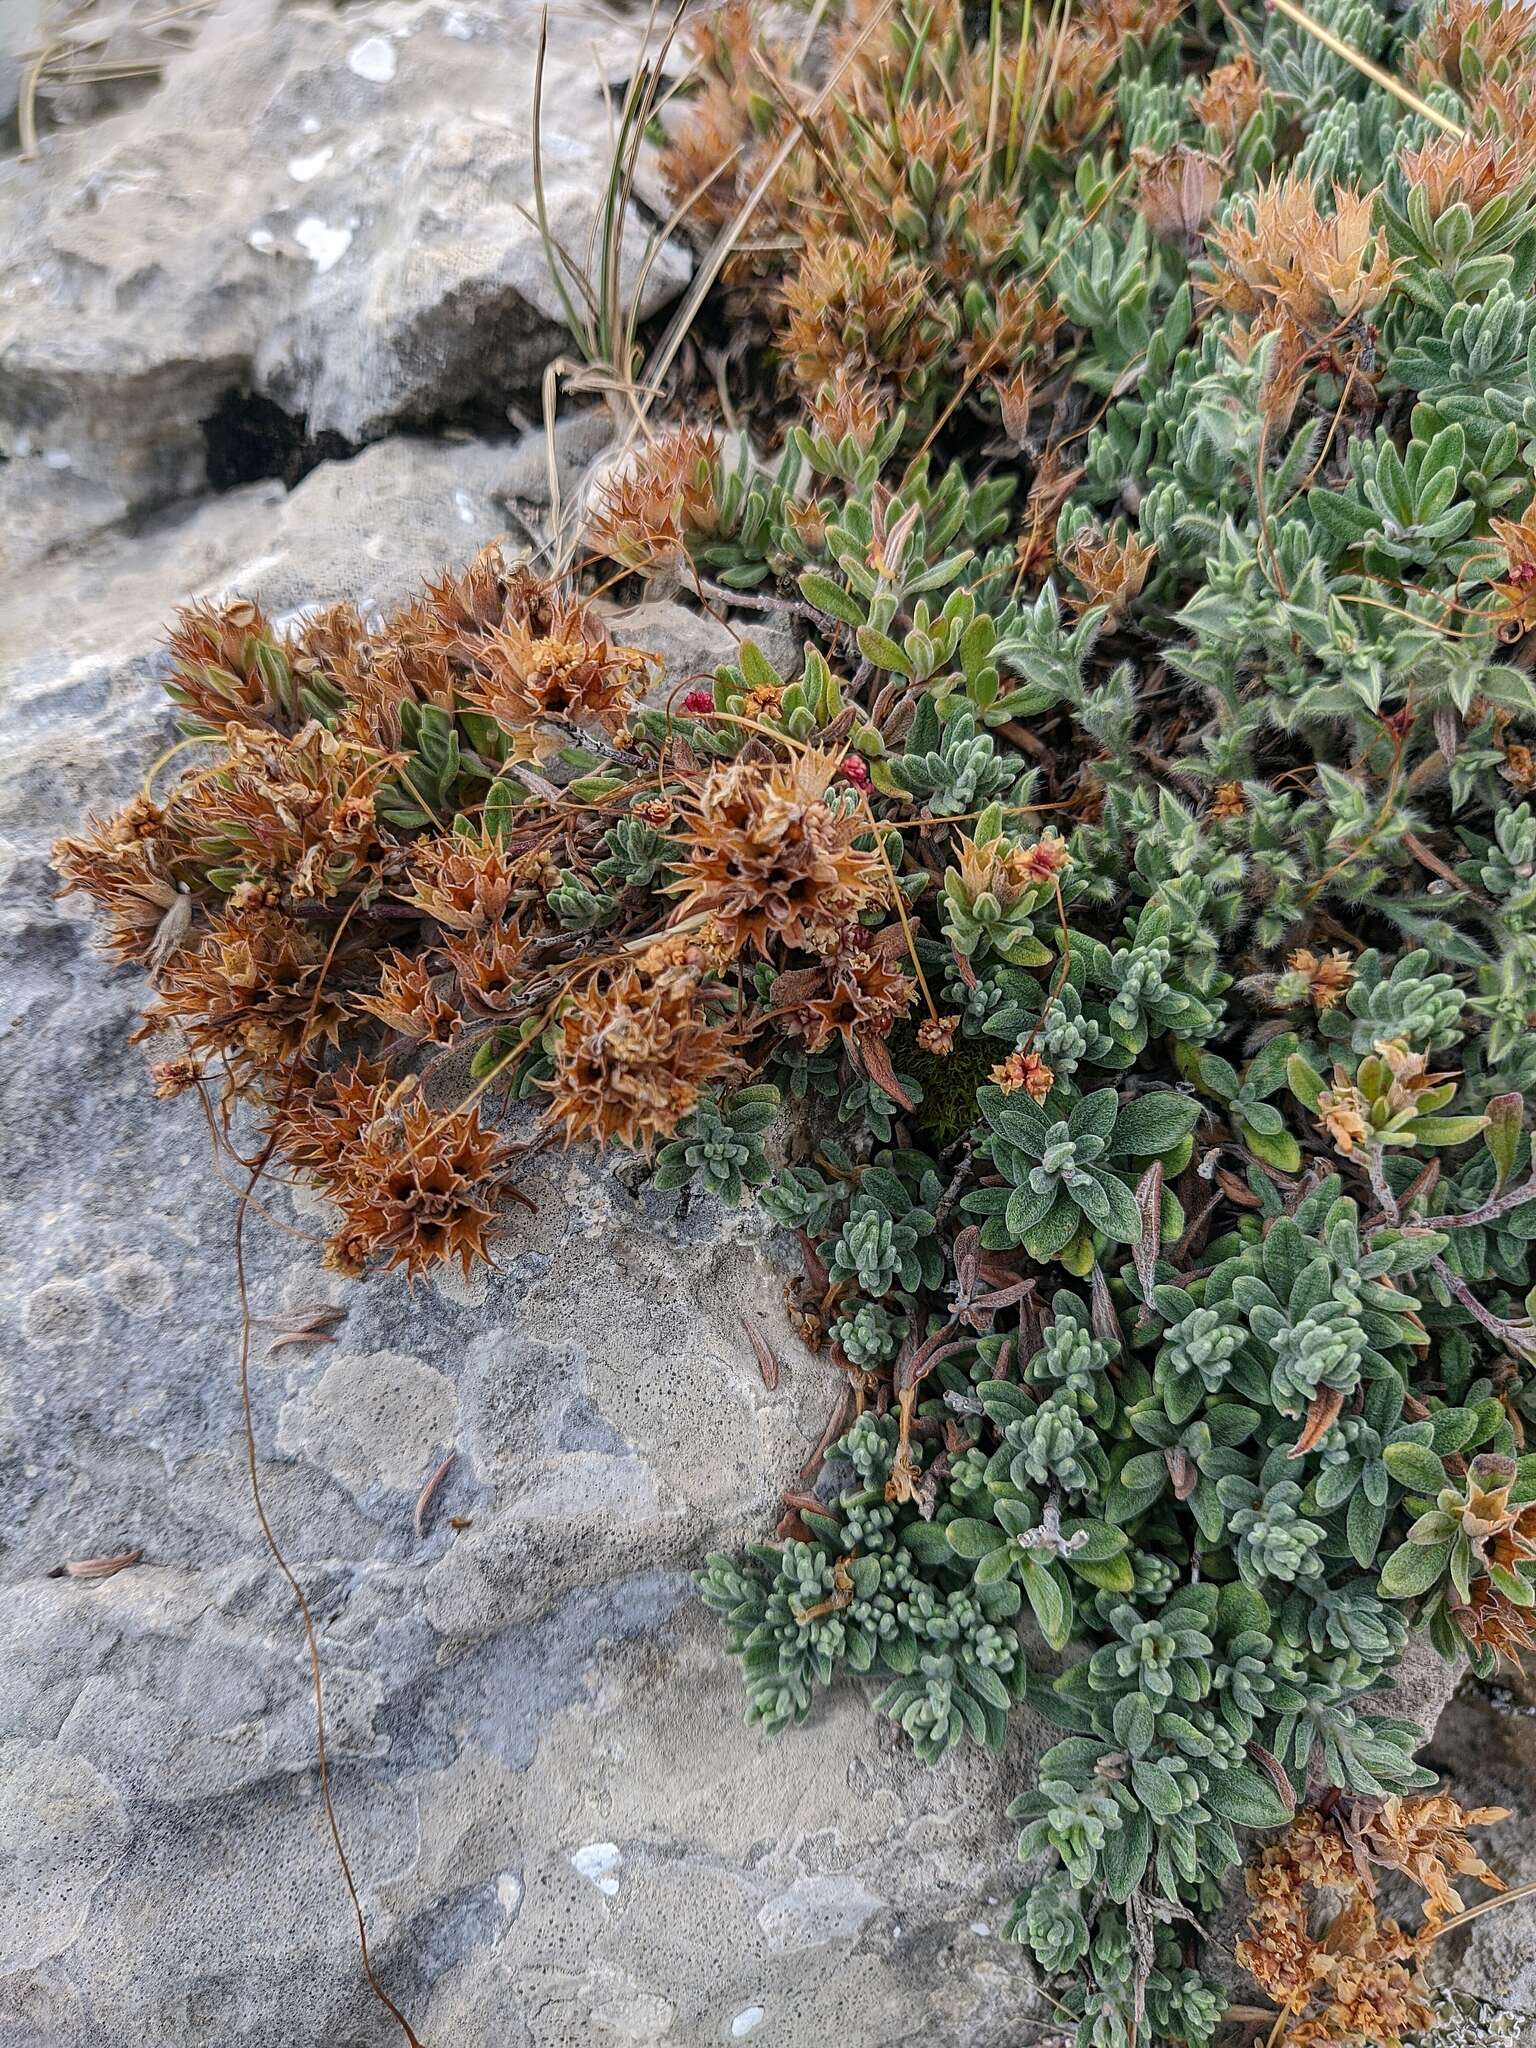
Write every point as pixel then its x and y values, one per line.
pixel 1366 68
pixel 315 1328
pixel 96 1567
pixel 767 1363
pixel 428 1493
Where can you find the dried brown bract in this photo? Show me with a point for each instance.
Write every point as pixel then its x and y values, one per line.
pixel 1328 976
pixel 664 497
pixel 465 882
pixel 771 861
pixel 410 1001
pixel 1111 567
pixel 1230 97
pixel 631 1057
pixel 859 307
pixel 421 1188
pixel 1278 256
pixel 1177 191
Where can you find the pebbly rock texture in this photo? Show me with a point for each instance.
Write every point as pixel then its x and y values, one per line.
pixel 561 1830
pixel 329 208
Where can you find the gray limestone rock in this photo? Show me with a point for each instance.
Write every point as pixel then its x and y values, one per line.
pixel 331 208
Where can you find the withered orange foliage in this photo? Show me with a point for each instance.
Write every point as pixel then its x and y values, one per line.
pixel 126 865
pixel 770 861
pixel 632 1055
pixel 860 306
pixel 249 991
pixel 656 502
pixel 1279 257
pixel 1358 1981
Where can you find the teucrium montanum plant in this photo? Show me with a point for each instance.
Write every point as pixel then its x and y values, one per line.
pixel 1106 948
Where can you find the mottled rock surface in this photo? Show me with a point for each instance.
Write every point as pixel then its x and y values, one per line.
pixel 328 207
pixel 561 1830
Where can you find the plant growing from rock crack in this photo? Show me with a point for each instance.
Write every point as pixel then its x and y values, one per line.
pixel 1127 887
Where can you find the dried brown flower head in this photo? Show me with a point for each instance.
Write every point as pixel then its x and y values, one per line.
pixel 998 867
pixel 1490 1620
pixel 1117 19
pixel 1112 568
pixel 322 1114
pixel 410 1001
pixel 1177 191
pixel 1026 1071
pixel 569 671
pixel 300 810
pixel 855 994
pixel 1426 1839
pixel 1343 1114
pixel 1515 592
pixel 936 1035
pixel 1017 330
pixel 858 307
pixel 126 865
pixel 771 861
pixel 421 1189
pixel 1328 976
pixel 464 882
pixel 1464 42
pixel 250 990
pixel 1277 256
pixel 1228 800
pixel 1015 397
pixel 632 1055
pixel 1066 72
pixel 173 1077
pixel 1497 1530
pixel 490 964
pixel 648 510
pixel 1469 170
pixel 848 408
pixel 1230 97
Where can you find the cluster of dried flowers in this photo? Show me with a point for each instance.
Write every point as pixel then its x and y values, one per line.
pixel 1340 1970
pixel 1110 948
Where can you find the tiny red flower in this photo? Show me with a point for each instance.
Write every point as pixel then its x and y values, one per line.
pixel 699 700
pixel 854 771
